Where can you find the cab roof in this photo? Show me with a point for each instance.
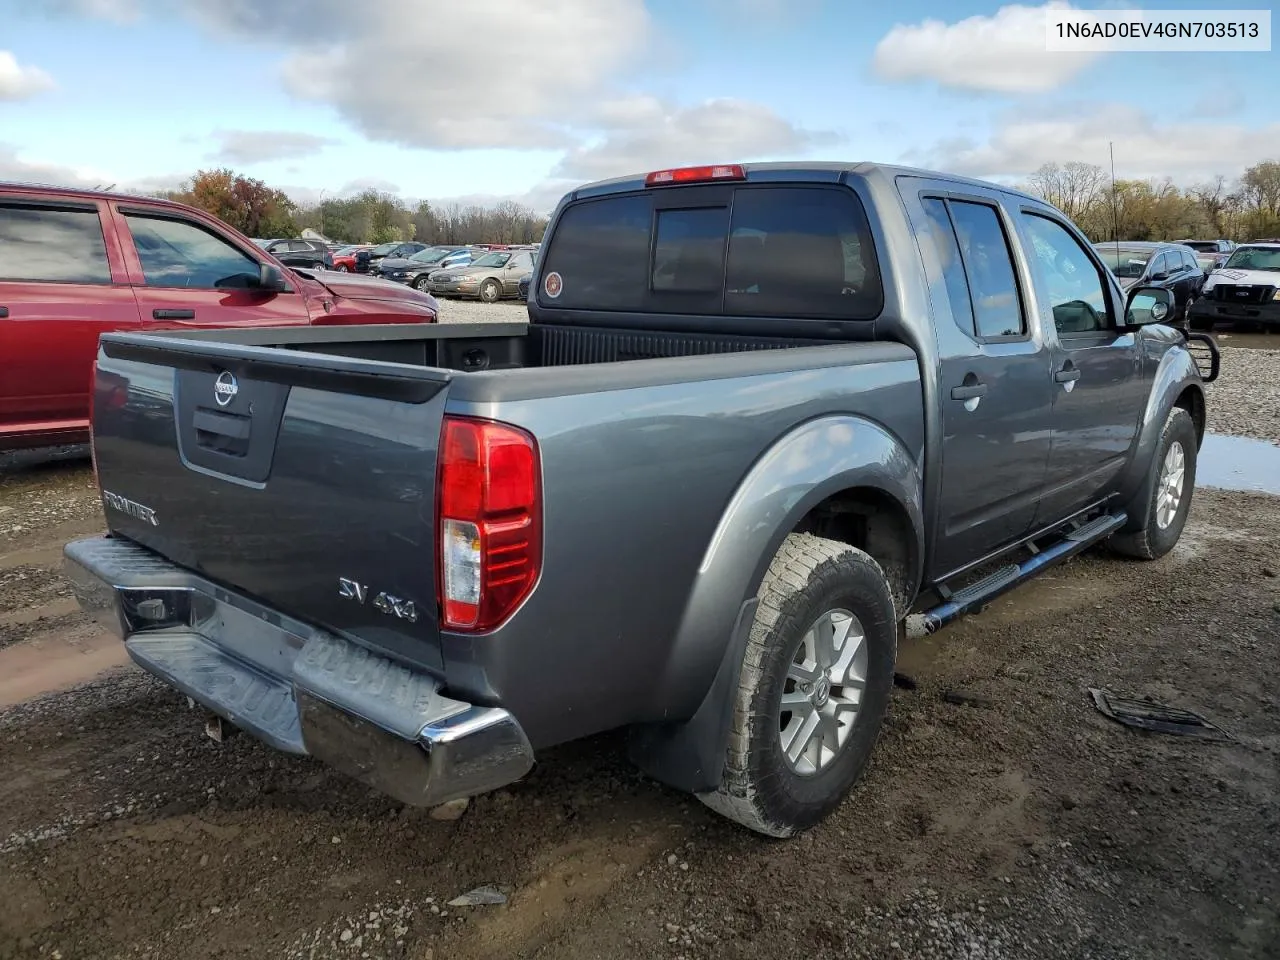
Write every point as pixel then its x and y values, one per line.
pixel 817 171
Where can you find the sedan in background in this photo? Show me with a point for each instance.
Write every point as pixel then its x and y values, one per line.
pixel 344 258
pixel 1171 266
pixel 490 278
pixel 415 270
pixel 307 254
pixel 365 259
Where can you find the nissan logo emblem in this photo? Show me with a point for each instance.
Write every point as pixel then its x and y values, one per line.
pixel 225 388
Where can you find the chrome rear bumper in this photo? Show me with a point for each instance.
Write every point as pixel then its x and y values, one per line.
pixel 297 688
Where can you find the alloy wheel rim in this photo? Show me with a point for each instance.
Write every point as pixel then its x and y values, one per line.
pixel 1173 473
pixel 823 691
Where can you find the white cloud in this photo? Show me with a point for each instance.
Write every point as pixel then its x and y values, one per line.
pixel 1002 53
pixel 115 11
pixel 14 167
pixel 257 146
pixel 18 82
pixel 1186 151
pixel 643 133
pixel 451 76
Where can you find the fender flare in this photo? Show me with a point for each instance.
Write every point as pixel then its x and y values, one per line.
pixel 814 461
pixel 1176 373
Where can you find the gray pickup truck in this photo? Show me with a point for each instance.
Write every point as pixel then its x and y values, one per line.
pixel 762 419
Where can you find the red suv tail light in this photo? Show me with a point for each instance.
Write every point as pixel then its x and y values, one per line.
pixel 489 522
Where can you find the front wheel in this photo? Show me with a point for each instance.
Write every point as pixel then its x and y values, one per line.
pixel 342 268
pixel 422 284
pixel 1171 478
pixel 490 291
pixel 815 684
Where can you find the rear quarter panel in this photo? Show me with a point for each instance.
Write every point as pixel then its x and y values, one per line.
pixel 624 627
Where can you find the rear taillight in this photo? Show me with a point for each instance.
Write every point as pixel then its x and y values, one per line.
pixel 489 522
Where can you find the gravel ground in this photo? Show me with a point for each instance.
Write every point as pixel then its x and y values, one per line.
pixel 1019 824
pixel 1245 399
pixel 473 311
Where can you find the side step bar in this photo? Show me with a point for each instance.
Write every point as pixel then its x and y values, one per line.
pixel 982 592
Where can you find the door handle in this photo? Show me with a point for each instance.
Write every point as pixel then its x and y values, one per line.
pixel 1069 375
pixel 173 314
pixel 969 391
pixel 4 312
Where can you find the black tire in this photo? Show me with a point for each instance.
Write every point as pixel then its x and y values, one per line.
pixel 491 291
pixel 1199 324
pixel 421 284
pixel 341 268
pixel 1152 540
pixel 809 577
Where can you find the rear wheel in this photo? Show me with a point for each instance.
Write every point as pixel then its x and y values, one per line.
pixel 342 268
pixel 490 291
pixel 815 683
pixel 1171 478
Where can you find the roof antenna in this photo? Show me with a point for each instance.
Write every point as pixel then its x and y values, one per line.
pixel 1115 212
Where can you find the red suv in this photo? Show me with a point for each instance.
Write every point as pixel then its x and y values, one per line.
pixel 74 264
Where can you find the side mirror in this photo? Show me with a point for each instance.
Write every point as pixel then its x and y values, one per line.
pixel 1146 305
pixel 271 278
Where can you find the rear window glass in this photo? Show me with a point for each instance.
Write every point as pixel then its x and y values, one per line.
pixel 59 246
pixel 601 250
pixel 801 252
pixel 787 252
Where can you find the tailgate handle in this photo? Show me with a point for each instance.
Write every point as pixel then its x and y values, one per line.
pixel 227 425
pixel 160 314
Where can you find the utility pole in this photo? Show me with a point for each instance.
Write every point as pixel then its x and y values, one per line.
pixel 1115 209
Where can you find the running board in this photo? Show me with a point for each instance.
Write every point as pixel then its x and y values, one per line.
pixel 982 592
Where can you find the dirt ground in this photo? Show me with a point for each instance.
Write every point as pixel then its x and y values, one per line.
pixel 1018 823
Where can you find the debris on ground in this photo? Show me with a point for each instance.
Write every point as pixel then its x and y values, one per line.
pixel 1156 717
pixel 480 897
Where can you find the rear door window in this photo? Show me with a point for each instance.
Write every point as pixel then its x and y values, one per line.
pixel 52 245
pixel 988 264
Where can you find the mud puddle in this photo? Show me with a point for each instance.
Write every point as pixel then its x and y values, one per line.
pixel 57 660
pixel 1238 463
pixel 1248 341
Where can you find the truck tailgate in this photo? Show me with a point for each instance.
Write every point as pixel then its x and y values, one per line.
pixel 304 481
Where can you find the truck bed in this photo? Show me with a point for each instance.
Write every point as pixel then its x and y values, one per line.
pixel 473 347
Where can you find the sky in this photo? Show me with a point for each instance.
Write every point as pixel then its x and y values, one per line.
pixel 525 99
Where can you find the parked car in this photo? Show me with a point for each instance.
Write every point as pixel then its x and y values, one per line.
pixel 75 264
pixel 369 258
pixel 308 254
pixel 344 258
pixel 1168 265
pixel 414 270
pixel 1244 290
pixel 1209 253
pixel 898 395
pixel 489 278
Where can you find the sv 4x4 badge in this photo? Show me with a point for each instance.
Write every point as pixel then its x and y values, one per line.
pixel 382 602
